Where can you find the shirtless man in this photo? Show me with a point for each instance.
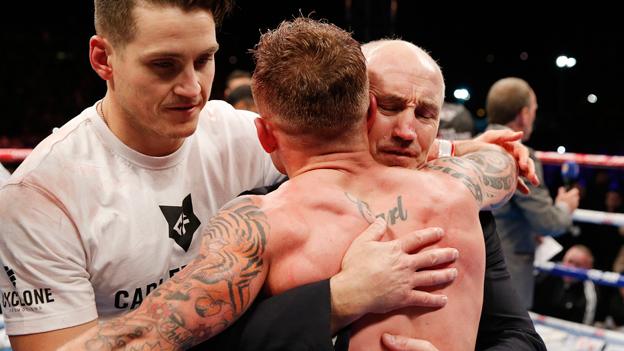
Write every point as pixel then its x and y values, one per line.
pixel 314 125
pixel 315 131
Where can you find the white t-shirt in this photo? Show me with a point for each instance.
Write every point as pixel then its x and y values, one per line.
pixel 89 226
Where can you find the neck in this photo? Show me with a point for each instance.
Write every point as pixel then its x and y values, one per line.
pixel 514 125
pixel 132 134
pixel 350 156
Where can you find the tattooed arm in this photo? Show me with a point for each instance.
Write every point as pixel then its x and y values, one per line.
pixel 490 174
pixel 206 297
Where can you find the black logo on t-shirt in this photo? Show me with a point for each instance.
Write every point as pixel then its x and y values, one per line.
pixel 11 275
pixel 22 300
pixel 182 222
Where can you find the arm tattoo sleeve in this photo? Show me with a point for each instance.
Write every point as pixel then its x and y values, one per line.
pixel 489 174
pixel 206 296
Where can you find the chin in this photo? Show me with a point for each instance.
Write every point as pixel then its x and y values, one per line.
pixel 397 161
pixel 183 130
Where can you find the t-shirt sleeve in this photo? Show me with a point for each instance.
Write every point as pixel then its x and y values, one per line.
pixel 44 281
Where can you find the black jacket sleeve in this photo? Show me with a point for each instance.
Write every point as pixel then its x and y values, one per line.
pixel 505 324
pixel 297 320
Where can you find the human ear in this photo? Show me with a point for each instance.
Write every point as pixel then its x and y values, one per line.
pixel 99 51
pixel 265 134
pixel 371 113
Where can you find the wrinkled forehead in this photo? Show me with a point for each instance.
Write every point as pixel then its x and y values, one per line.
pixel 407 71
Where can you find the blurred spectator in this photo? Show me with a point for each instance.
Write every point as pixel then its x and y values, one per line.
pixel 456 122
pixel 512 104
pixel 565 297
pixel 234 80
pixel 242 99
pixel 613 201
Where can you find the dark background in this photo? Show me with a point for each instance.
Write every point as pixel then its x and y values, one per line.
pixel 46 78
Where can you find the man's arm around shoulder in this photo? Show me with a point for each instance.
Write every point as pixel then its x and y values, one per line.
pixel 490 174
pixel 205 297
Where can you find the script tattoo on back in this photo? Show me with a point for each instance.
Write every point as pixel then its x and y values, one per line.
pixel 205 297
pixel 391 217
pixel 495 169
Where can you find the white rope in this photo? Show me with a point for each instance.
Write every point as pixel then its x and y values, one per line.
pixel 598 217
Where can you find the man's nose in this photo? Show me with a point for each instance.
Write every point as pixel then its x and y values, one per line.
pixel 405 128
pixel 188 85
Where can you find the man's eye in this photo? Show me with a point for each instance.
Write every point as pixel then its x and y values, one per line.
pixel 390 108
pixel 162 64
pixel 203 61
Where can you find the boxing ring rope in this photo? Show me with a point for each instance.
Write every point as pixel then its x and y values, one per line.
pixel 13 155
pixel 604 161
pixel 598 217
pixel 547 157
pixel 598 277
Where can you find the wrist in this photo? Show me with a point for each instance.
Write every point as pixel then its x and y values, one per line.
pixel 344 310
pixel 564 206
pixel 446 148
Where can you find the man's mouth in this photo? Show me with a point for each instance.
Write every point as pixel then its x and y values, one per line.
pixel 182 107
pixel 399 152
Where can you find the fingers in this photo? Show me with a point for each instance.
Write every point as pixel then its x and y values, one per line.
pixel 509 137
pixel 532 175
pixel 374 232
pixel 434 277
pixel 523 187
pixel 420 238
pixel 433 257
pixel 501 136
pixel 523 157
pixel 401 343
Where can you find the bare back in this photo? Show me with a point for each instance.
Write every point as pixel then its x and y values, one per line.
pixel 305 247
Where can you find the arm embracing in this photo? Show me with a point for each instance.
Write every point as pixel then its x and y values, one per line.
pixel 206 297
pixel 490 174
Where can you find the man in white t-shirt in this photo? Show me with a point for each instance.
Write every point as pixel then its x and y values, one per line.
pixel 109 207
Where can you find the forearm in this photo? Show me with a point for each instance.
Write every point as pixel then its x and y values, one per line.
pixel 124 333
pixel 490 174
pixel 544 217
pixel 205 297
pixel 497 174
pixel 174 317
pixel 344 308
